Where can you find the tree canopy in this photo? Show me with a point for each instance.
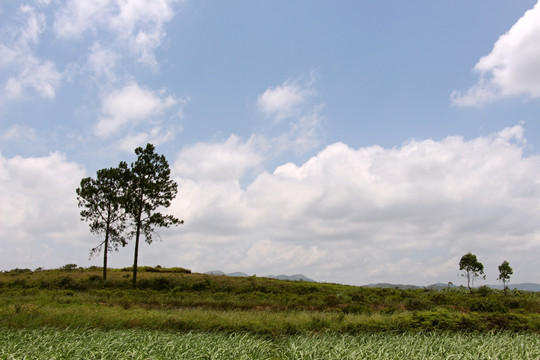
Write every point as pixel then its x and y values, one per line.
pixel 102 202
pixel 472 268
pixel 505 271
pixel 149 188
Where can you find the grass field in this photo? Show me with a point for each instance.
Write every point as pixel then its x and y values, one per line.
pixel 72 314
pixel 48 343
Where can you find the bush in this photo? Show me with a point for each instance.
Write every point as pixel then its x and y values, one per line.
pixel 201 285
pixel 19 271
pixel 159 283
pixel 417 304
pixel 69 267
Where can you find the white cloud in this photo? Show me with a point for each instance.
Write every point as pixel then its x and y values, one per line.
pixel 374 214
pixel 42 77
pixel 102 61
pixel 357 216
pixel 130 106
pixel 135 25
pixel 226 161
pixel 38 211
pixel 284 101
pixel 17 56
pixel 292 101
pixel 155 136
pixel 18 133
pixel 512 68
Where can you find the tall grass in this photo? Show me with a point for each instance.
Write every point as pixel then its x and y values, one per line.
pixel 79 343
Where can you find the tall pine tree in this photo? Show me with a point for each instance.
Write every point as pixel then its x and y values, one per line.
pixel 149 188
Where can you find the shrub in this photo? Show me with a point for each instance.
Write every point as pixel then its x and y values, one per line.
pixel 201 285
pixel 69 267
pixel 159 283
pixel 417 304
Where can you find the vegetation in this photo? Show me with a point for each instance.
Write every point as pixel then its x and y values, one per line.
pixel 149 188
pixel 174 299
pixel 77 343
pixel 121 194
pixel 505 271
pixel 101 200
pixel 472 268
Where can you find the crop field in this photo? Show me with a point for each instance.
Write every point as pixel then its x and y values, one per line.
pixel 50 343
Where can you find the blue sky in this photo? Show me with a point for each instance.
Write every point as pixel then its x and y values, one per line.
pixel 353 142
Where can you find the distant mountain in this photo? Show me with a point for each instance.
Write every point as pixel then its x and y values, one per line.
pixel 239 274
pixel 215 272
pixel 219 272
pixel 439 286
pixel 393 286
pixel 521 286
pixel 297 277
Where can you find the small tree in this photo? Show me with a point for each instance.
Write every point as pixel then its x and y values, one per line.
pixel 149 188
pixel 101 200
pixel 505 271
pixel 472 268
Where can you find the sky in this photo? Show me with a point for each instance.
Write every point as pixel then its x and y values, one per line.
pixel 354 142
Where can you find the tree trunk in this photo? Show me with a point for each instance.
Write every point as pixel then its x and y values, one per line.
pixel 134 280
pixel 137 235
pixel 105 257
pixel 106 243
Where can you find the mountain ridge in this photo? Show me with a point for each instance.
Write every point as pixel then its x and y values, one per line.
pixel 295 277
pixel 438 286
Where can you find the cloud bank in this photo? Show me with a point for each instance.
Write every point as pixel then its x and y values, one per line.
pixel 346 212
pixel 346 215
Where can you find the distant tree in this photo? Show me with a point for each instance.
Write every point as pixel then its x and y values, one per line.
pixel 149 188
pixel 102 202
pixel 505 271
pixel 472 269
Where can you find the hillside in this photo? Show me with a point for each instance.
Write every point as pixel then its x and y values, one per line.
pixel 177 299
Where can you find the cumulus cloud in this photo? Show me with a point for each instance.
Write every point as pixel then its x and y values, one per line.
pixel 155 136
pixel 283 101
pixel 224 161
pixel 132 105
pixel 28 73
pixel 38 212
pixel 374 214
pixel 135 25
pixel 512 68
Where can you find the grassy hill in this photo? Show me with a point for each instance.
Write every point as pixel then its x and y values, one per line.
pixel 174 298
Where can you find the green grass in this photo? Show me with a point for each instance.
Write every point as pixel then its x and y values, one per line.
pixel 79 343
pixel 177 300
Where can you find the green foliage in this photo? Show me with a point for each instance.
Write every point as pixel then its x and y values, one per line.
pixel 472 268
pixel 505 271
pixel 149 187
pixel 175 300
pixel 102 202
pixel 69 267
